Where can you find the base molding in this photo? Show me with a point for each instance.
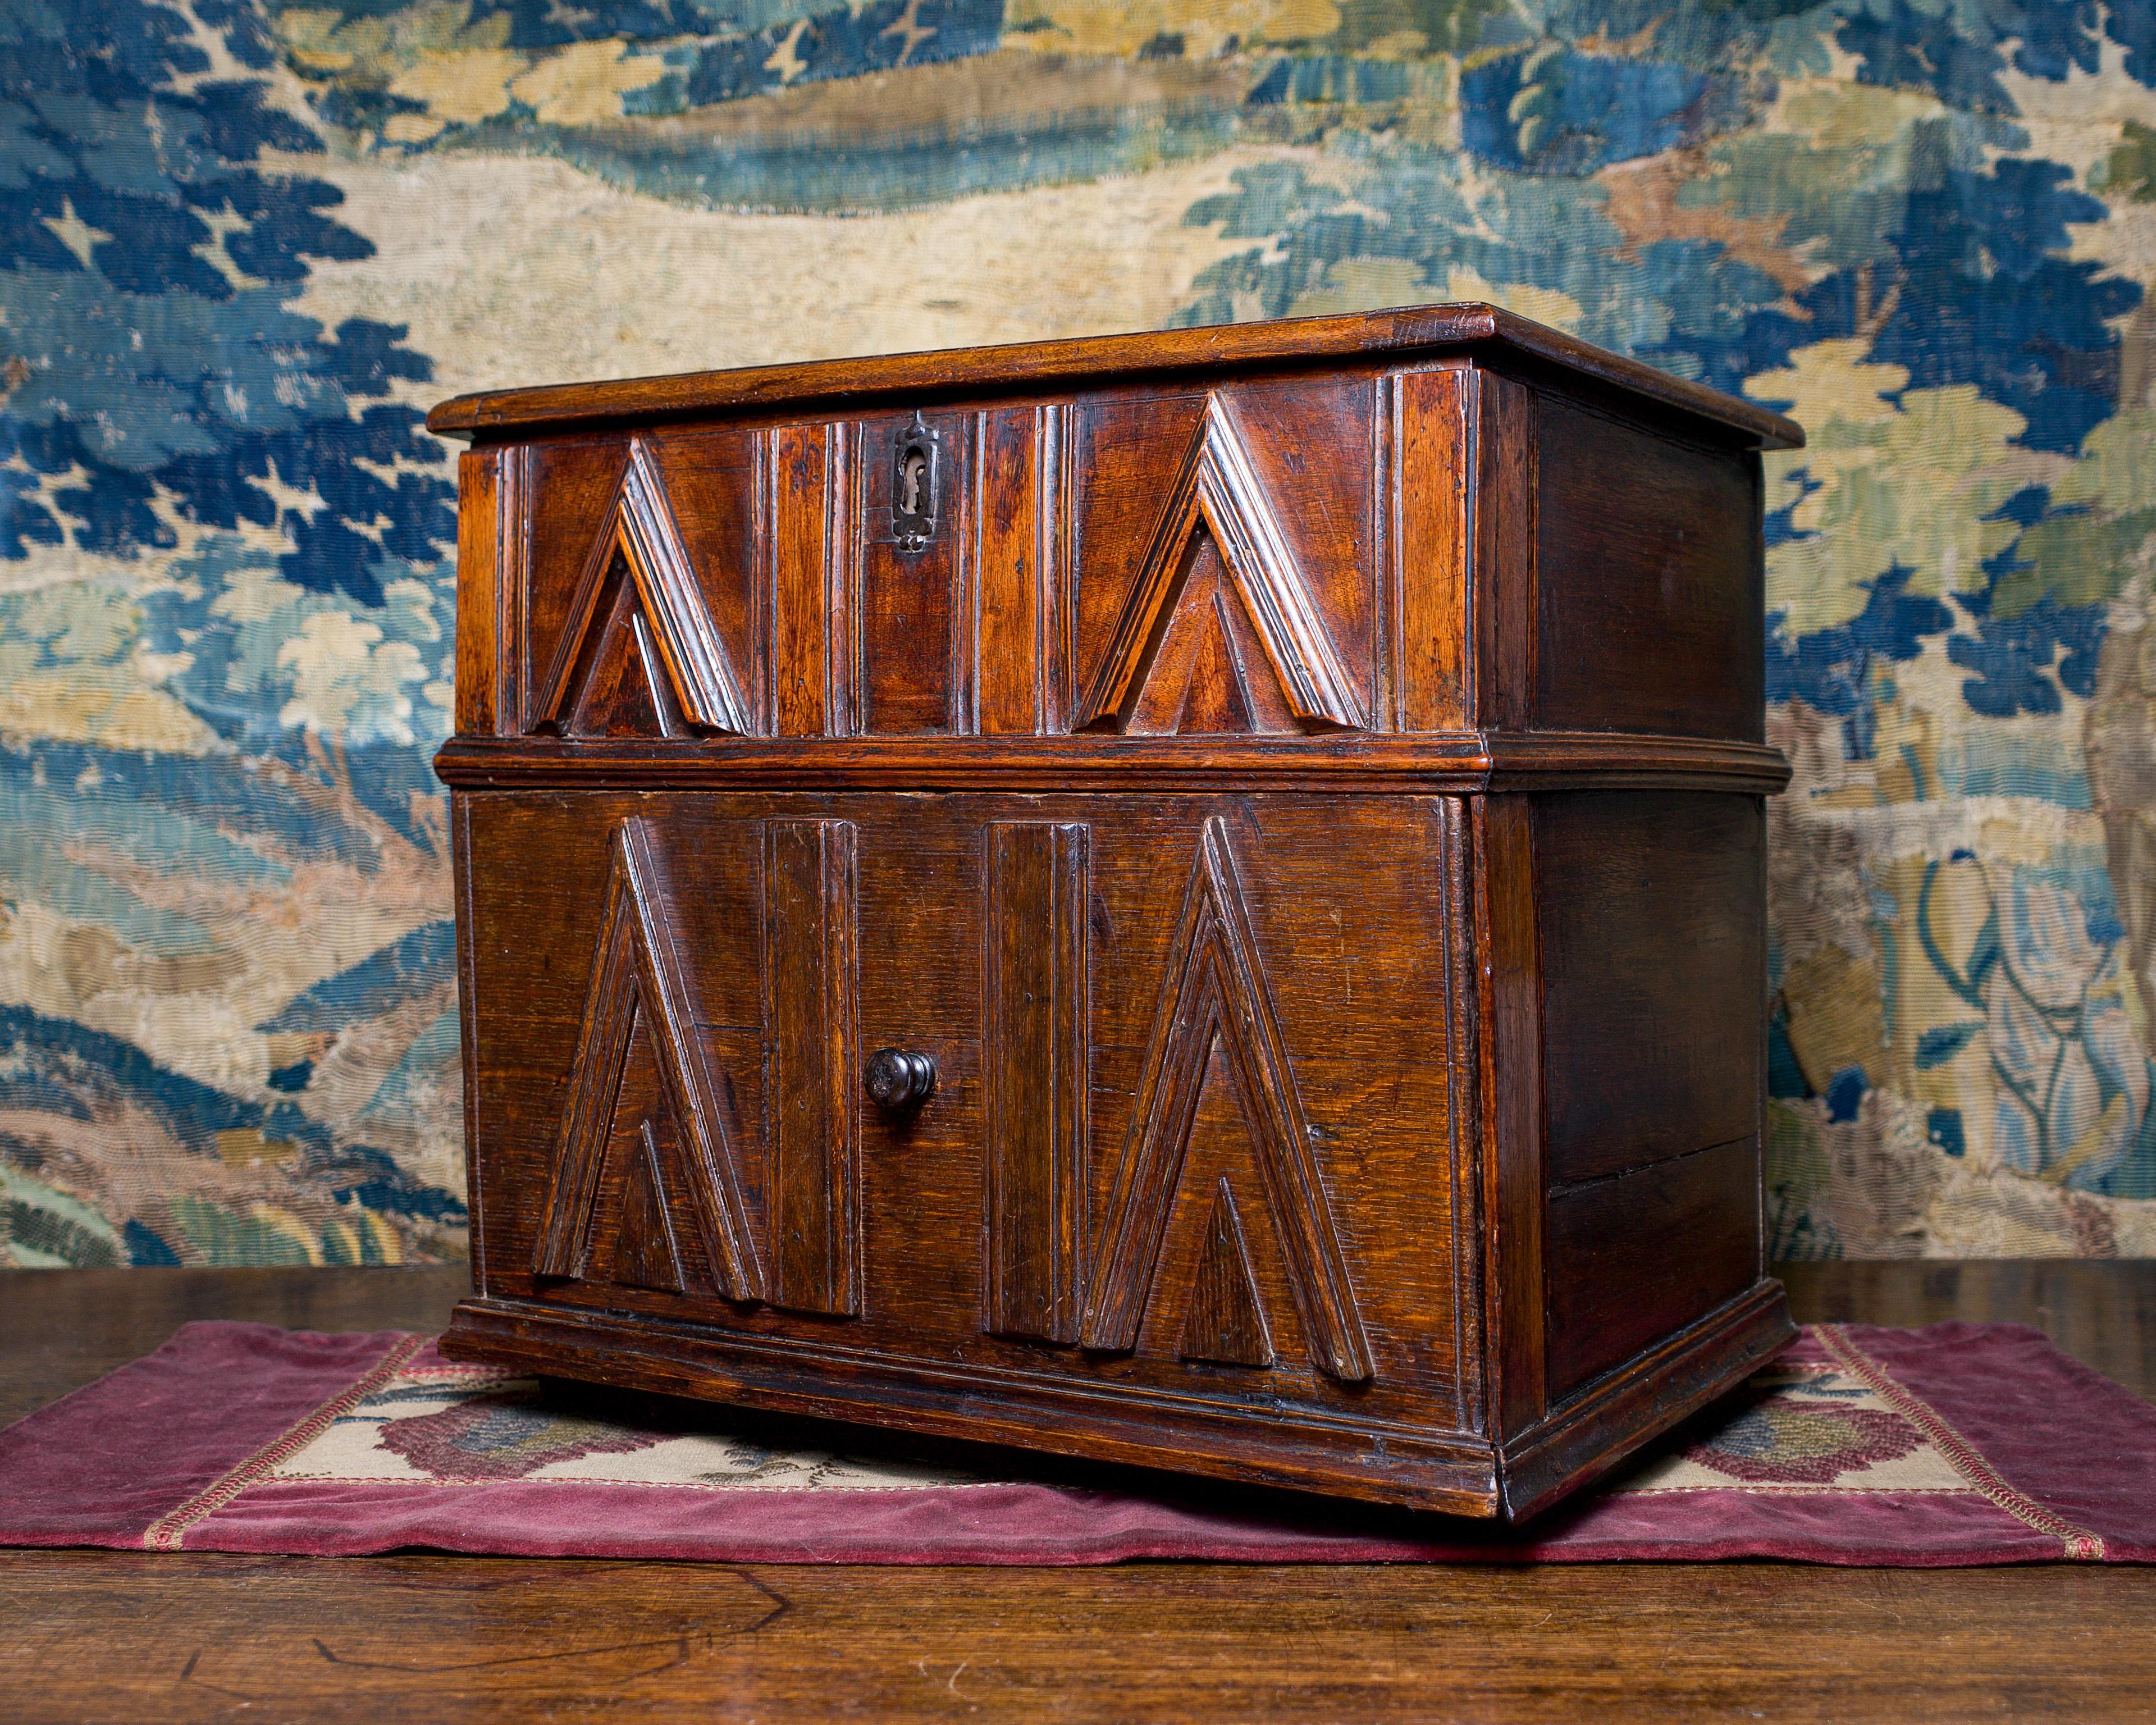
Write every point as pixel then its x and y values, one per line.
pixel 1375 1461
pixel 1450 1473
pixel 1614 1415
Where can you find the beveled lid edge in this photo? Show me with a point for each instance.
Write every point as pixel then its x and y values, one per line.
pixel 494 414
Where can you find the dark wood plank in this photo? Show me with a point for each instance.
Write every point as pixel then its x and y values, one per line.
pixel 412 1639
pixel 1456 762
pixel 916 619
pixel 1506 597
pixel 1014 449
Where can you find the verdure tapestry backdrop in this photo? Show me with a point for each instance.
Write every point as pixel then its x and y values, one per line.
pixel 241 244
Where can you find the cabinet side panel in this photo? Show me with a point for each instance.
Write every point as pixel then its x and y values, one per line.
pixel 1649 581
pixel 1654 958
pixel 1653 947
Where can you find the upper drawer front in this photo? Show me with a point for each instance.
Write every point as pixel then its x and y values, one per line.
pixel 1197 562
pixel 1191 1130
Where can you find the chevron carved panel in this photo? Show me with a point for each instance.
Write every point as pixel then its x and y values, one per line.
pixel 639 653
pixel 1216 1023
pixel 1218 569
pixel 644 1117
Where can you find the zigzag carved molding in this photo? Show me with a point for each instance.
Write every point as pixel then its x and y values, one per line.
pixel 1216 997
pixel 671 623
pixel 1217 487
pixel 639 980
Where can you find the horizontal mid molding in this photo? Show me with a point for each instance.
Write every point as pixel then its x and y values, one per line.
pixel 1454 762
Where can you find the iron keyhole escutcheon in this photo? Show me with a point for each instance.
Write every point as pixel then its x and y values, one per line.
pixel 915 480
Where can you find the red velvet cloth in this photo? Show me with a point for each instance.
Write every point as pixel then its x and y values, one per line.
pixel 2050 1461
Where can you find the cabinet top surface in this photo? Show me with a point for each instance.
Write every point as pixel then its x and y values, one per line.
pixel 1469 330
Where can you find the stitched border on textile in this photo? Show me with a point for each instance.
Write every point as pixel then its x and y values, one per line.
pixel 167 1531
pixel 2080 1544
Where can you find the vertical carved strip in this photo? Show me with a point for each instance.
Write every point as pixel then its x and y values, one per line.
pixel 798 607
pixel 1464 1106
pixel 479 591
pixel 512 542
pixel 810 967
pixel 968 507
pixel 846 505
pixel 1433 460
pixel 1506 628
pixel 1511 1092
pixel 1387 576
pixel 1036 1001
pixel 1058 513
pixel 468 1022
pixel 1008 624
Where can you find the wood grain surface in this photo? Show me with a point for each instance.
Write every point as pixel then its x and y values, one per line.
pixel 186 1637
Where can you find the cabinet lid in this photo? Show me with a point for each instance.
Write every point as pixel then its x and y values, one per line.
pixel 1485 333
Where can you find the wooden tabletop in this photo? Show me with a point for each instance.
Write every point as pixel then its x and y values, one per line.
pixel 122 1635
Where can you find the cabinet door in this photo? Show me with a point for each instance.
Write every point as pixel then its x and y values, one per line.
pixel 1191 1128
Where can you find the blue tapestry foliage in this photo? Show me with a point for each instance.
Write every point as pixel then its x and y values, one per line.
pixel 146 259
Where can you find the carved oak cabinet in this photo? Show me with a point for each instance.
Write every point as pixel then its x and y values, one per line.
pixel 1193 899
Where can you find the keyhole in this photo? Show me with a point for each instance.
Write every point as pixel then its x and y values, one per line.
pixel 912 475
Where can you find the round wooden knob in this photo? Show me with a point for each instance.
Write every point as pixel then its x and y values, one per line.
pixel 899 1080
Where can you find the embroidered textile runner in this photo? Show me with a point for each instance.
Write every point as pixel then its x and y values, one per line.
pixel 1960 1443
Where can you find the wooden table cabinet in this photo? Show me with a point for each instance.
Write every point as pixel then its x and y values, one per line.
pixel 1193 899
